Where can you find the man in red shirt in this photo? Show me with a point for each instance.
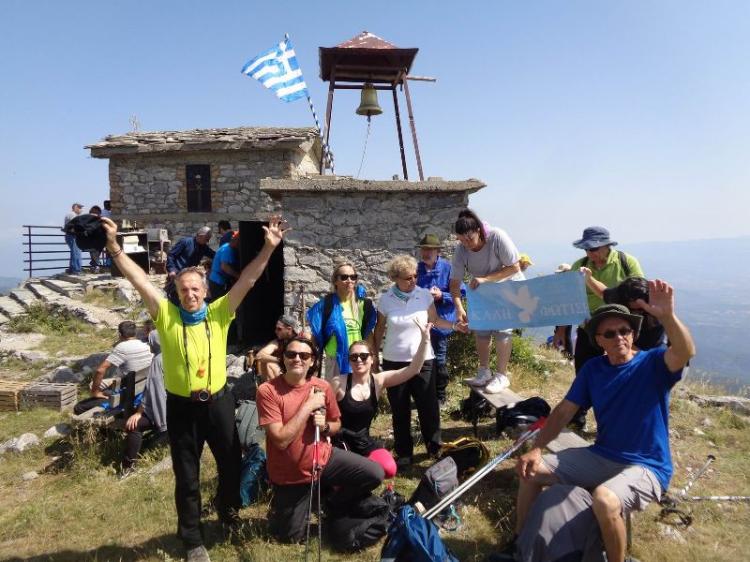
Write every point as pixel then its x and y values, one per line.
pixel 290 407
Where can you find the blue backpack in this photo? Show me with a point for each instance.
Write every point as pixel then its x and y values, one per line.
pixel 411 537
pixel 253 476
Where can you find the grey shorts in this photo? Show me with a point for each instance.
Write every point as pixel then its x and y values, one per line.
pixel 635 485
pixel 499 334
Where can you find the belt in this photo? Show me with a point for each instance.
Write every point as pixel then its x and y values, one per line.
pixel 215 396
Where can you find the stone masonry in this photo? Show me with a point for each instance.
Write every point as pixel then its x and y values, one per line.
pixel 147 173
pixel 365 222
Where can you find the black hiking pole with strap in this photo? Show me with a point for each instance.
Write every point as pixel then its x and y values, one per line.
pixel 530 433
pixel 314 477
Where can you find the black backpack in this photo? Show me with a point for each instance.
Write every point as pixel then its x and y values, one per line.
pixel 365 522
pixel 525 412
pixel 437 482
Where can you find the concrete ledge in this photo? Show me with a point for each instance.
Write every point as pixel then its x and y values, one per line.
pixel 346 184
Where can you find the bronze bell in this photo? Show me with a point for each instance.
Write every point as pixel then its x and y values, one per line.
pixel 368 105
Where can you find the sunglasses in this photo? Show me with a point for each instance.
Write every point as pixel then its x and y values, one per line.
pixel 345 277
pixel 303 355
pixel 354 357
pixel 611 334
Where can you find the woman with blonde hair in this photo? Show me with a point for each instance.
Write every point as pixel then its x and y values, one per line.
pixel 402 311
pixel 340 318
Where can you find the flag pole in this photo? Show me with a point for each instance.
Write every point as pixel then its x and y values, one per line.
pixel 327 154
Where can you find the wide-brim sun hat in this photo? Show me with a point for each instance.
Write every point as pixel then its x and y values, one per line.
pixel 430 241
pixel 594 237
pixel 612 311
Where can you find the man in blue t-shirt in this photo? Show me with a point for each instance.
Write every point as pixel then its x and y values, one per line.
pixel 629 465
pixel 224 268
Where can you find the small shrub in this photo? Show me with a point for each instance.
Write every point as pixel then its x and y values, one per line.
pixel 46 321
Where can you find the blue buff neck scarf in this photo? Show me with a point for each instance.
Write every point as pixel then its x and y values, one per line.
pixel 402 295
pixel 193 318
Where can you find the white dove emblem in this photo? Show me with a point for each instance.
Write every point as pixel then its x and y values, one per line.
pixel 522 300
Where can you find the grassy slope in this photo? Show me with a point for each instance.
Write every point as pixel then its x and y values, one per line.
pixel 83 512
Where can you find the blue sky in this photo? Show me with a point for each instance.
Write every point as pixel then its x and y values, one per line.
pixel 632 114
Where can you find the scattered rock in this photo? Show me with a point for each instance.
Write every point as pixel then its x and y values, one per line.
pixel 697 431
pixel 19 444
pixel 669 532
pixel 30 356
pixel 92 361
pixel 706 422
pixel 59 430
pixel 65 374
pixel 27 476
pixel 735 403
pixel 674 434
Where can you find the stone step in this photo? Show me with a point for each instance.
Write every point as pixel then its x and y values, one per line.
pixel 46 295
pixel 10 307
pixel 24 297
pixel 83 279
pixel 65 288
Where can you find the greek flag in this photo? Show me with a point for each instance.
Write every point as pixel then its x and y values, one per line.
pixel 277 69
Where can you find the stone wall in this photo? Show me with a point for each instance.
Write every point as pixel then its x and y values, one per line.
pixel 151 189
pixel 367 223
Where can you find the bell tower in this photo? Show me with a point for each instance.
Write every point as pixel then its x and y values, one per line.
pixel 368 63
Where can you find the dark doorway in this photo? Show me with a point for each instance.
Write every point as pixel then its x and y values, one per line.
pixel 257 315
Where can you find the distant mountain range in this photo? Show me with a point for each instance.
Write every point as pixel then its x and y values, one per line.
pixel 712 283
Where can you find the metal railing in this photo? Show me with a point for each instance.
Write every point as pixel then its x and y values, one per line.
pixel 36 244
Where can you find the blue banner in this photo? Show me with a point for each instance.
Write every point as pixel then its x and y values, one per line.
pixel 550 300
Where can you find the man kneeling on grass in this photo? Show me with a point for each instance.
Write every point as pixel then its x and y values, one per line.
pixel 630 464
pixel 290 408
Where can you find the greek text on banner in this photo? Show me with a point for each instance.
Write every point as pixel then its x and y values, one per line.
pixel 550 300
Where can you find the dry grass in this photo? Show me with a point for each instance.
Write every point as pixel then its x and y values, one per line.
pixel 84 513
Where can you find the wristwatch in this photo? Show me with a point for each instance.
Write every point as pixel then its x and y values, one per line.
pixel 326 428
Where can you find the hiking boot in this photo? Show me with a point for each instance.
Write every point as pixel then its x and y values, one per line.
pixel 484 376
pixel 198 554
pixel 498 383
pixel 402 464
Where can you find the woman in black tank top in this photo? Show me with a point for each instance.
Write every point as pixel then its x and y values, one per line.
pixel 358 393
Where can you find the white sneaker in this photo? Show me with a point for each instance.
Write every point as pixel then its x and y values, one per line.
pixel 498 383
pixel 484 376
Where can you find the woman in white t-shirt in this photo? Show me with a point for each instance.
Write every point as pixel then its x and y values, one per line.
pixel 402 309
pixel 487 255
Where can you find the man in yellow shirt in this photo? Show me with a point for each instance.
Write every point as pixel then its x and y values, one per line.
pixel 200 409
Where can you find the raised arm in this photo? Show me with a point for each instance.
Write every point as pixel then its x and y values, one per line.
pixel 274 235
pixel 387 379
pixel 661 306
pixel 151 295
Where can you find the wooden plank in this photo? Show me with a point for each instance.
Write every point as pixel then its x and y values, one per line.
pixel 498 400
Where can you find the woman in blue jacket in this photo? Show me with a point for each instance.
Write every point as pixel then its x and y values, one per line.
pixel 342 317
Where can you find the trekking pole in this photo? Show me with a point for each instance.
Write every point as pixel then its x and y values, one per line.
pixel 683 493
pixel 486 469
pixel 313 477
pixel 717 498
pixel 316 469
